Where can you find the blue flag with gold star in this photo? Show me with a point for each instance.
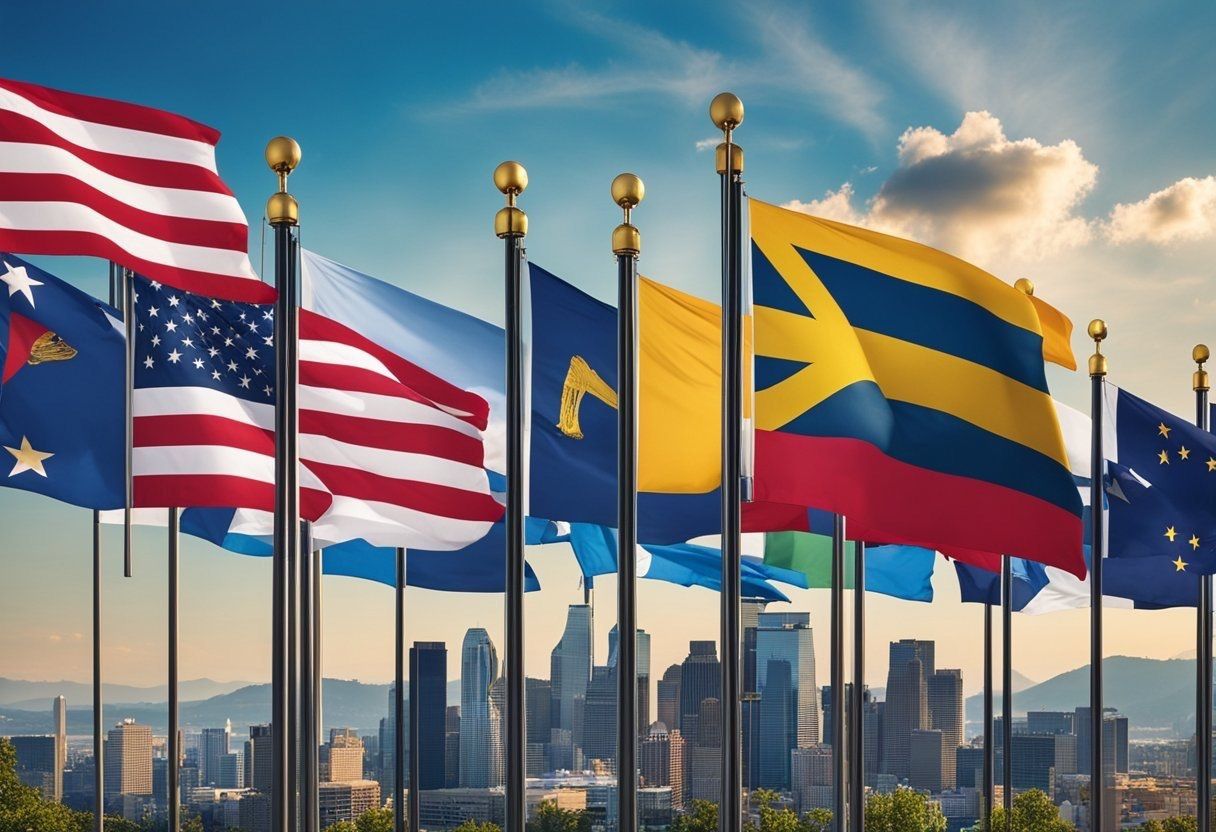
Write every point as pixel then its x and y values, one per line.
pixel 61 391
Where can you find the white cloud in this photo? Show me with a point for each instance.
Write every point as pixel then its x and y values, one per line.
pixel 976 193
pixel 1184 211
pixel 708 144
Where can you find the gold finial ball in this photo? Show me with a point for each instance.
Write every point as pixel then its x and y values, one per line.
pixel 282 154
pixel 1200 354
pixel 510 178
pixel 1097 329
pixel 726 111
pixel 1024 285
pixel 628 190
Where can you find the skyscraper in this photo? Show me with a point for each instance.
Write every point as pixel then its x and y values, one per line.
pixel 478 670
pixel 599 718
pixel 451 757
pixel 699 680
pixel 538 704
pixel 342 759
pixel 907 706
pixel 789 695
pixel 259 759
pixel 37 764
pixel 213 744
pixel 570 670
pixel 662 761
pixel 59 709
pixel 428 700
pixel 643 660
pixel 669 697
pixel 945 690
pixel 926 748
pixel 128 760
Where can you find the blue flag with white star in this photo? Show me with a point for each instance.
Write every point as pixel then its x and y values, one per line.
pixel 61 392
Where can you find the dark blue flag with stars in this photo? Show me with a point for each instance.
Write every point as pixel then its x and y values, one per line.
pixel 61 394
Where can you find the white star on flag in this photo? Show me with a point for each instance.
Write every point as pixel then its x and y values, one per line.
pixel 28 459
pixel 18 280
pixel 149 363
pixel 175 356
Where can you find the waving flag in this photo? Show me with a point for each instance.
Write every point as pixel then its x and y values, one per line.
pixel 389 453
pixel 61 402
pixel 905 389
pixel 139 186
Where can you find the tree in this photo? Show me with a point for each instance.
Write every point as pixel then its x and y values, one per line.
pixel 785 820
pixel 22 807
pixel 1177 824
pixel 549 817
pixel 1033 811
pixel 373 820
pixel 903 811
pixel 471 825
pixel 702 816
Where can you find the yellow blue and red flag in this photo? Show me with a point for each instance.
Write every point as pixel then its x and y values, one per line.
pixel 906 389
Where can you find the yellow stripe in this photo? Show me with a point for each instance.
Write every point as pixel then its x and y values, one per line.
pixel 1057 334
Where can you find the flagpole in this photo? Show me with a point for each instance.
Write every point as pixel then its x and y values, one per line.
pixel 1007 686
pixel 837 675
pixel 310 733
pixel 99 814
pixel 1097 781
pixel 726 112
pixel 282 211
pixel 989 748
pixel 173 789
pixel 627 192
pixel 1203 652
pixel 399 699
pixel 318 678
pixel 510 226
pixel 857 803
pixel 125 279
pixel 415 790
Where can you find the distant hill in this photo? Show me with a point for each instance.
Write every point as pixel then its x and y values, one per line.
pixel 1156 695
pixel 18 693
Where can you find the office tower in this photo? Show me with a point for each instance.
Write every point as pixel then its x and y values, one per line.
pixel 451 745
pixel 599 718
pixel 872 723
pixel 643 662
pixel 259 759
pixel 232 771
pixel 704 760
pixel 59 710
pixel 213 744
pixel 811 778
pixel 342 759
pixel 1049 722
pixel 969 766
pixel 128 760
pixel 38 764
pixel 655 807
pixel 789 695
pixel 498 714
pixel 907 705
pixel 1065 754
pixel 749 617
pixel 478 670
pixel 538 706
pixel 945 688
pixel 1114 741
pixel 699 680
pixel 570 669
pixel 669 697
pixel 346 801
pixel 428 701
pixel 661 758
pixel 254 813
pixel 926 748
pixel 387 742
pixel 1032 762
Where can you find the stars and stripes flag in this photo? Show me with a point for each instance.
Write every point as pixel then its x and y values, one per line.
pixel 389 453
pixel 89 176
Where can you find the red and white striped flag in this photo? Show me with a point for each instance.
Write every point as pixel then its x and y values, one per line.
pixel 389 452
pixel 90 176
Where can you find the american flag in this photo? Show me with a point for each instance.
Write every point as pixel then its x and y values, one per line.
pixel 89 176
pixel 389 453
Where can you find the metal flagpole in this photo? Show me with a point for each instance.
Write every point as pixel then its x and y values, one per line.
pixel 857 746
pixel 989 739
pixel 837 675
pixel 627 192
pixel 726 112
pixel 173 790
pixel 124 278
pixel 318 682
pixel 1097 778
pixel 1203 617
pixel 1007 687
pixel 293 693
pixel 310 733
pixel 282 211
pixel 399 700
pixel 98 747
pixel 415 801
pixel 510 226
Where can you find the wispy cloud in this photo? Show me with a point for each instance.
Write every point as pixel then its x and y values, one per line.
pixel 708 144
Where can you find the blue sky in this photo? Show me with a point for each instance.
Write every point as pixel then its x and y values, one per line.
pixel 858 111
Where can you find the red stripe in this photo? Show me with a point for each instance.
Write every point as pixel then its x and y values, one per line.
pixel 429 440
pixel 219 491
pixel 349 379
pixel 201 429
pixel 53 187
pixel 85 243
pixel 428 498
pixel 434 388
pixel 114 113
pixel 161 173
pixel 893 502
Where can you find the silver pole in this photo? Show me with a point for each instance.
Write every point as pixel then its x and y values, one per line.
pixel 173 789
pixel 1097 375
pixel 1203 620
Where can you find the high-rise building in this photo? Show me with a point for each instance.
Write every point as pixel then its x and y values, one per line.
pixel 1049 722
pixel 969 766
pixel 926 748
pixel 498 715
pixel 428 701
pixel 669 697
pixel 662 761
pixel 789 695
pixel 945 689
pixel 699 680
pixel 570 670
pixel 213 744
pixel 259 759
pixel 538 705
pixel 1033 758
pixel 599 718
pixel 907 706
pixel 811 778
pixel 872 725
pixel 704 760
pixel 346 801
pixel 479 767
pixel 342 759
pixel 232 771
pixel 1114 741
pixel 451 745
pixel 128 760
pixel 38 764
pixel 59 710
pixel 643 664
pixel 749 618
